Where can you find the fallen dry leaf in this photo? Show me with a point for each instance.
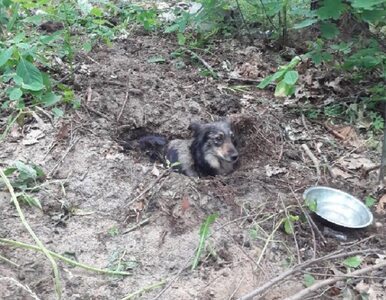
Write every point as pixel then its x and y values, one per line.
pixel 335 84
pixel 32 137
pixel 273 170
pixel 381 207
pixel 357 161
pixel 155 171
pixel 185 203
pixel 362 287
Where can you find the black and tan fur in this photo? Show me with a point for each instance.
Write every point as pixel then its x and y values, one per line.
pixel 209 152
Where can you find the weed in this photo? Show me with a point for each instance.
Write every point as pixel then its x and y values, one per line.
pixel 289 223
pixel 204 233
pixel 25 179
pixel 370 201
pixel 118 262
pixel 113 231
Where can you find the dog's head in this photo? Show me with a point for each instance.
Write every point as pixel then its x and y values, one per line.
pixel 216 139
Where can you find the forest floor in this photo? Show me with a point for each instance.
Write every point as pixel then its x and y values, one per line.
pixel 111 207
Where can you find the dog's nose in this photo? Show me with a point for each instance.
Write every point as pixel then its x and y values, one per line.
pixel 234 156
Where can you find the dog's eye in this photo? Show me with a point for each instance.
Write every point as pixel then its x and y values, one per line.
pixel 219 139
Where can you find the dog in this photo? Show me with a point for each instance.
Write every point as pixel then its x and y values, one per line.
pixel 210 152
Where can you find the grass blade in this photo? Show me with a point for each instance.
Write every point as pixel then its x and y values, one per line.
pixel 204 232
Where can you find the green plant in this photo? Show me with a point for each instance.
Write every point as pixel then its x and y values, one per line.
pixel 25 179
pixel 113 231
pixel 204 233
pixel 311 204
pixel 285 79
pixel 352 262
pixel 370 201
pixel 308 280
pixel 118 262
pixel 289 223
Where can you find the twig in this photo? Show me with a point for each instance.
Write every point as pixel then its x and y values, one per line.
pixel 237 288
pixel 343 275
pixel 124 105
pixel 9 261
pixel 63 157
pixel 337 254
pixel 310 222
pixel 175 277
pixel 267 16
pixel 243 20
pixel 9 126
pixel 293 231
pixel 240 247
pixel 145 289
pixel 304 123
pixel 85 105
pixel 143 222
pixel 267 242
pixel 63 258
pixel 313 158
pixel 195 55
pixel 383 158
pixel 302 294
pixel 163 174
pixel 19 284
pixel 58 286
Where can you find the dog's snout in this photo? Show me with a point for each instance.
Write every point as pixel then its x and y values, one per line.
pixel 234 156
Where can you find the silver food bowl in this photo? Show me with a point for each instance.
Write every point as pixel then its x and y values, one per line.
pixel 338 207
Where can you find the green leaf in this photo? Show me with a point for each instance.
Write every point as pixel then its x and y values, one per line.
pixel 291 77
pixel 96 11
pixel 26 171
pixel 352 262
pixel 172 28
pixel 9 171
pixel 289 223
pixel 308 280
pixel 156 59
pixel 328 30
pixel 288 226
pixel 312 204
pixel 32 201
pixel 266 81
pixel 5 56
pixel 87 46
pixel 47 81
pixel 370 201
pixel 373 16
pixel 330 9
pixel 58 113
pixel 15 94
pixel 50 99
pixel 181 39
pixel 204 232
pixel 305 23
pixel 283 89
pixel 278 76
pixel 31 76
pixel 366 4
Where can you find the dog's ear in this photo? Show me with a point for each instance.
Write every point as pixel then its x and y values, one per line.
pixel 195 127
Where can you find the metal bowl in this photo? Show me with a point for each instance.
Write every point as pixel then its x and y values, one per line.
pixel 339 207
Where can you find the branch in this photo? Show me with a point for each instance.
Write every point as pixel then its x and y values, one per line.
pixel 41 247
pixel 260 290
pixel 302 294
pixel 65 259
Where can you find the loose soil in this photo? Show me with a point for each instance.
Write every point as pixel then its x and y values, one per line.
pixel 95 171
